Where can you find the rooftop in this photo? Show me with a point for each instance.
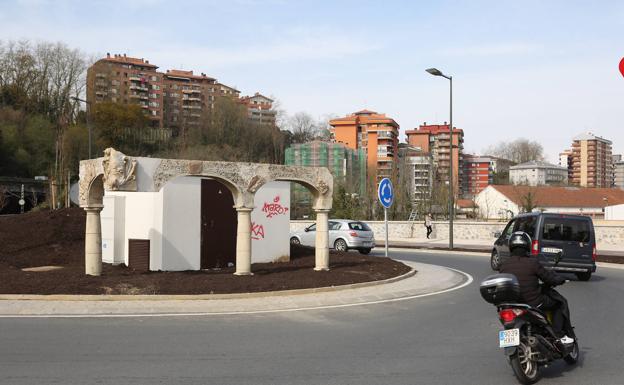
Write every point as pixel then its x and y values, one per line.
pixel 536 164
pixel 186 74
pixel 590 136
pixel 123 59
pixel 551 196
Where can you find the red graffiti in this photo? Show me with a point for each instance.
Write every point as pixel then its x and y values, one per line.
pixel 273 209
pixel 257 231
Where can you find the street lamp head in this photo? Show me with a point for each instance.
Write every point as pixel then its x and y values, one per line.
pixel 435 72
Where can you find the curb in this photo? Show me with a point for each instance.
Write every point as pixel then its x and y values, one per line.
pixel 187 297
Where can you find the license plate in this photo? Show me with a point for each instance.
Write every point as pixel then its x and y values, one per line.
pixel 509 337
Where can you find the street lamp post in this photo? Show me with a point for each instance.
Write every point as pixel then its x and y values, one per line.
pixel 436 72
pixel 88 122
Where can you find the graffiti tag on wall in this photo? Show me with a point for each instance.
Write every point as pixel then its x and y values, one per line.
pixel 257 231
pixel 275 208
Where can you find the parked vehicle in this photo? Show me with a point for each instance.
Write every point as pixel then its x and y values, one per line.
pixel 572 235
pixel 528 338
pixel 344 235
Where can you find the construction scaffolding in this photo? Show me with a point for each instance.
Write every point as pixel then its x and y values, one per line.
pixel 347 166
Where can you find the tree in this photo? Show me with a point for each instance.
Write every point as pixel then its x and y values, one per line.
pixel 303 127
pixel 345 204
pixel 118 125
pixel 520 150
pixel 528 201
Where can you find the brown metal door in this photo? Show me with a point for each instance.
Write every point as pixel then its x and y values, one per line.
pixel 218 225
pixel 138 254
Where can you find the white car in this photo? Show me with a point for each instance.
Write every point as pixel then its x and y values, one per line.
pixel 344 234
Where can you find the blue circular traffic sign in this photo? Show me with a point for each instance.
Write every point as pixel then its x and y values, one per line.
pixel 385 192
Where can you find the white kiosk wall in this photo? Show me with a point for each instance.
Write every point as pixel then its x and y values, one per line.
pixel 170 219
pixel 181 210
pixel 270 223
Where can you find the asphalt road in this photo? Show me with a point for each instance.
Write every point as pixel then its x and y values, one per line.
pixel 449 338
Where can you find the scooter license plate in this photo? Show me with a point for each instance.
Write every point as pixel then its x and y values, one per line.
pixel 509 337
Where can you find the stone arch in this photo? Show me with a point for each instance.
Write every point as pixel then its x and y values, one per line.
pixel 118 172
pixel 237 194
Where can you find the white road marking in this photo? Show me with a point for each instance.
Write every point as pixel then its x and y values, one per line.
pixel 469 280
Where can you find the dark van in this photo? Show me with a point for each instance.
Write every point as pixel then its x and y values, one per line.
pixel 572 235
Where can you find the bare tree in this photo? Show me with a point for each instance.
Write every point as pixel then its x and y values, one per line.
pixel 303 126
pixel 520 150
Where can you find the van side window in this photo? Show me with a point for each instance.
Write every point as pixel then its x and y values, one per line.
pixel 570 230
pixel 527 224
pixel 509 229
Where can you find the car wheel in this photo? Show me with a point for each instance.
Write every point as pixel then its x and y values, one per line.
pixel 294 241
pixel 364 251
pixel 340 245
pixel 495 260
pixel 584 276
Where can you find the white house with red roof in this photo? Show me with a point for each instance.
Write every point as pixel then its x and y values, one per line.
pixel 505 201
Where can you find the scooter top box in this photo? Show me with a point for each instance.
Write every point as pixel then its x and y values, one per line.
pixel 500 288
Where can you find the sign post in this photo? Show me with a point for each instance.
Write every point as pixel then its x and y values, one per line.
pixel 386 197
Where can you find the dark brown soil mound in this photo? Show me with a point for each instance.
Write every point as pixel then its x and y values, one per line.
pixel 56 238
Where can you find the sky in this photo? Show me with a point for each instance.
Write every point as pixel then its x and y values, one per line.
pixel 542 70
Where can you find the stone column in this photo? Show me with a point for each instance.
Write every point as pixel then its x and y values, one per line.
pixel 322 240
pixel 243 241
pixel 93 242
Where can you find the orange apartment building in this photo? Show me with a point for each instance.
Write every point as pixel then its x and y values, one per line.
pixel 435 139
pixel 376 134
pixel 174 99
pixel 592 161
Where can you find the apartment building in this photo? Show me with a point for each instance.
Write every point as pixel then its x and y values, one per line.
pixel 537 173
pixel 186 97
pixel 618 171
pixel 592 163
pixel 436 140
pixel 175 99
pixel 565 160
pixel 416 169
pixel 376 134
pixel 259 108
pixel 477 174
pixel 123 79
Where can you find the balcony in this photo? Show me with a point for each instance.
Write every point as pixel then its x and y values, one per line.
pixel 139 88
pixel 192 91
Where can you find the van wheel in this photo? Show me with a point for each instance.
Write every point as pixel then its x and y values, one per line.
pixel 294 241
pixel 584 276
pixel 495 260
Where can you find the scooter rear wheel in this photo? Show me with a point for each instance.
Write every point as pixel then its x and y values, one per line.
pixel 525 368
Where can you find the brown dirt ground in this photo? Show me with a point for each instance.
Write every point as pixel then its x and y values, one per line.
pixel 56 238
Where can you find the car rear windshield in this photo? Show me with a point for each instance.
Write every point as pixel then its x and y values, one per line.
pixel 527 224
pixel 561 229
pixel 360 226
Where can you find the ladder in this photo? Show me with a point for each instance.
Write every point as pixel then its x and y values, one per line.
pixel 413 215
